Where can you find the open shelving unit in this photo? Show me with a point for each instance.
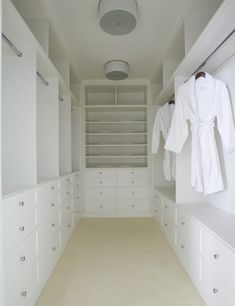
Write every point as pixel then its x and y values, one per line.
pixel 116 126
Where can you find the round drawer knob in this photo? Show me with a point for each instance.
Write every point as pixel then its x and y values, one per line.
pixel 53 225
pixel 69 225
pixel 182 247
pixel 101 193
pixel 22 258
pixel 68 180
pixel 182 223
pixel 133 193
pixel 77 185
pixel 24 293
pixel 132 182
pixel 101 206
pixel 77 198
pixel 216 256
pixel 68 207
pixel 21 228
pixel 165 224
pixel 52 188
pixel 100 182
pixel 132 172
pixel 155 210
pixel 132 205
pixel 156 196
pixel 101 173
pixel 166 206
pixel 21 203
pixel 52 204
pixel 215 290
pixel 68 192
pixel 54 249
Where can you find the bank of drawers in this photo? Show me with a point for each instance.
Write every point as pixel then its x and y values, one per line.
pixel 117 190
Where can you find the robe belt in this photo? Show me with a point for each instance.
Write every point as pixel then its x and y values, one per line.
pixel 201 124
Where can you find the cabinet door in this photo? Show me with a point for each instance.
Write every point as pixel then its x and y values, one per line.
pixel 169 209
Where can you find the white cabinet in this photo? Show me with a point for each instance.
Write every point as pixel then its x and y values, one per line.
pixel 117 191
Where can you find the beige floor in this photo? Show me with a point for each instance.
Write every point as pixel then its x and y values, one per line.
pixel 119 262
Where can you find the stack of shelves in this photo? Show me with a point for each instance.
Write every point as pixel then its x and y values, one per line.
pixel 116 126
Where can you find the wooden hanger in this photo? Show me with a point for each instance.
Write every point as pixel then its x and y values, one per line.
pixel 200 74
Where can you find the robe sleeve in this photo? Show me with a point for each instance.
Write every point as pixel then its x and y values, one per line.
pixel 179 128
pixel 156 133
pixel 225 120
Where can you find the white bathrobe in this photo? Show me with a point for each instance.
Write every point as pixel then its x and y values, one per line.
pixel 202 101
pixel 162 124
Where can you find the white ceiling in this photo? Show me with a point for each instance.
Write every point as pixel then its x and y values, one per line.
pixel 89 47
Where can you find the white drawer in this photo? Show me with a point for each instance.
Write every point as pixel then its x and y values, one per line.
pixel 100 193
pixel 76 205
pixel 65 180
pixel 133 172
pixel 132 193
pixel 20 203
pixel 19 260
pixel 132 205
pixel 101 206
pixel 100 172
pixel 48 228
pixel 47 191
pixel 66 194
pixel 214 291
pixel 168 228
pixel 169 209
pixel 18 227
pixel 76 176
pixel 220 257
pixel 95 181
pixel 66 226
pixel 126 181
pixel 76 187
pixel 23 292
pixel 48 255
pixel 190 228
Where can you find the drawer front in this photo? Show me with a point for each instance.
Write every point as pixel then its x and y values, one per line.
pixel 48 255
pixel 76 187
pixel 215 291
pixel 21 203
pixel 220 257
pixel 66 194
pixel 76 205
pixel 168 228
pixel 157 204
pixel 65 180
pixel 47 192
pixel 132 172
pixel 126 181
pixel 23 292
pixel 100 172
pixel 132 193
pixel 190 228
pixel 66 226
pixel 100 193
pixel 132 206
pixel 101 206
pixel 48 228
pixel 76 177
pixel 17 228
pixel 106 181
pixel 19 260
pixel 169 209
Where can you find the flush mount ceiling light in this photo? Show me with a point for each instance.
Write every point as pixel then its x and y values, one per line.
pixel 116 70
pixel 117 17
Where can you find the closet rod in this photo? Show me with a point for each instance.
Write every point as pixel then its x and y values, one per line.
pixel 44 81
pixel 213 53
pixel 11 45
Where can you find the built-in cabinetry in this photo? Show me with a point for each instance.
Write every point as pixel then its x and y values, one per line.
pixel 202 238
pixel 38 223
pixel 116 126
pixel 117 191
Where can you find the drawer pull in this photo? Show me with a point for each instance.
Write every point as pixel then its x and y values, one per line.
pixel 22 258
pixel 216 256
pixel 68 207
pixel 54 249
pixel 77 185
pixel 21 228
pixel 53 225
pixel 155 210
pixel 52 188
pixel 77 175
pixel 133 193
pixel 132 182
pixel 215 290
pixel 77 198
pixel 68 192
pixel 69 225
pixel 166 206
pixel 52 204
pixel 68 180
pixel 182 223
pixel 21 203
pixel 101 173
pixel 132 205
pixel 101 193
pixel 165 224
pixel 100 182
pixel 24 293
pixel 101 206
pixel 132 172
pixel 182 247
pixel 156 196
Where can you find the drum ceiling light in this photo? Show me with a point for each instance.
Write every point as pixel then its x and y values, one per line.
pixel 117 17
pixel 116 70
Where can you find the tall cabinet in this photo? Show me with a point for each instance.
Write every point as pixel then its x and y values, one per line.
pixel 116 149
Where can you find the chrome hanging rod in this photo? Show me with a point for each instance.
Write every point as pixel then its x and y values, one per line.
pixel 11 45
pixel 213 53
pixel 44 81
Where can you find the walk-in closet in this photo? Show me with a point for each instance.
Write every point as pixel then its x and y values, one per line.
pixel 117 153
